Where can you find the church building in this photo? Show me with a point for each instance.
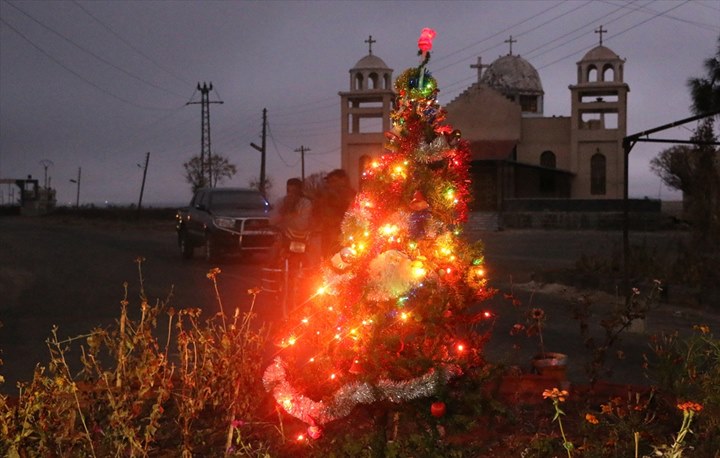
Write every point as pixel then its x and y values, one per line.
pixel 517 151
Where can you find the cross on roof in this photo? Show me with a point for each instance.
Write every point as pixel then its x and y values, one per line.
pixel 600 31
pixel 370 41
pixel 511 41
pixel 479 67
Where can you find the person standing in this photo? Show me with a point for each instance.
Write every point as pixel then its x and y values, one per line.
pixel 336 198
pixel 291 214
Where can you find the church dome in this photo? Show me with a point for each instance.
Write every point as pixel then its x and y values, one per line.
pixel 512 75
pixel 370 62
pixel 600 53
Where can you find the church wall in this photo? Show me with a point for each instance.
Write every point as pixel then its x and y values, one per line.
pixel 481 113
pixel 545 134
pixel 369 145
pixel 613 172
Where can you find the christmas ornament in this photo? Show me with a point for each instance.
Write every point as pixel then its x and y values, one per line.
pixel 415 83
pixel 356 368
pixel 343 259
pixel 418 202
pixel 389 275
pixel 315 432
pixel 437 409
pixel 454 137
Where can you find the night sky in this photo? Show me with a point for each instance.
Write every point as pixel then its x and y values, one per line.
pixel 99 84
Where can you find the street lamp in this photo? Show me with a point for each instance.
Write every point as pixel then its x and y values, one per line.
pixel 77 199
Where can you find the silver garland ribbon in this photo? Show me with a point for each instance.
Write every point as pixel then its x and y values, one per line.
pixel 433 151
pixel 351 394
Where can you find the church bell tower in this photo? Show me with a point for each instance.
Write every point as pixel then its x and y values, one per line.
pixel 365 113
pixel 598 124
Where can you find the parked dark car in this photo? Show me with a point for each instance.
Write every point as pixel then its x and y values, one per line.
pixel 224 221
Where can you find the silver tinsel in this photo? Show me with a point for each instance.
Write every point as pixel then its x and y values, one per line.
pixel 433 151
pixel 349 395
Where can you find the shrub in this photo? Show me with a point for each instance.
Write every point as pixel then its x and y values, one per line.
pixel 134 395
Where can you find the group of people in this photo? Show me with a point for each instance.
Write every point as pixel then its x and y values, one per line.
pixel 319 218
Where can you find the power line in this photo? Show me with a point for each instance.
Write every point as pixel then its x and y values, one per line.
pixel 309 122
pixel 277 151
pixel 655 16
pixel 527 54
pixel 702 25
pixel 130 45
pixel 576 52
pixel 101 59
pixel 305 111
pixel 529 18
pixel 101 89
pixel 288 109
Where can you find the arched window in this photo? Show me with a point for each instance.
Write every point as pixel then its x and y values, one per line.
pixel 547 159
pixel 358 82
pixel 547 178
pixel 592 74
pixel 373 81
pixel 388 81
pixel 608 73
pixel 597 174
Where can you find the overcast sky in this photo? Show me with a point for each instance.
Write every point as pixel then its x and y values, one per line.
pixel 98 84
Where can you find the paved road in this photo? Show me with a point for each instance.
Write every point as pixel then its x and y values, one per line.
pixel 55 272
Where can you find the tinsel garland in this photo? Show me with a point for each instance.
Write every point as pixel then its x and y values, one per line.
pixel 351 394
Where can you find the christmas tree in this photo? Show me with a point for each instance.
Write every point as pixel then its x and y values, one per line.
pixel 392 319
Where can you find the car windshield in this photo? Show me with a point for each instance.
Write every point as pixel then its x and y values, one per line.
pixel 238 200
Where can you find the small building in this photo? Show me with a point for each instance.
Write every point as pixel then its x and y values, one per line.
pixel 32 199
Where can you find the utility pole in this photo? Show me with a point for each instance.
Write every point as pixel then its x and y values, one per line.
pixel 77 198
pixel 46 163
pixel 302 151
pixel 142 187
pixel 262 152
pixel 205 132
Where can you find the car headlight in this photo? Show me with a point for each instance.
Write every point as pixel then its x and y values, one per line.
pixel 226 223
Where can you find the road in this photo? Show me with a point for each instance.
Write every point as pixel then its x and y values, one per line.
pixel 72 274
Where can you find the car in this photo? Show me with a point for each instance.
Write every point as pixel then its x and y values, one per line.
pixel 225 221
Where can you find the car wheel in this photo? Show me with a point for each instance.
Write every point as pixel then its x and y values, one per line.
pixel 186 249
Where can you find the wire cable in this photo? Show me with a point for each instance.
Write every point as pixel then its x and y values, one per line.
pixel 277 151
pixel 101 59
pixel 130 45
pixel 586 48
pixel 99 88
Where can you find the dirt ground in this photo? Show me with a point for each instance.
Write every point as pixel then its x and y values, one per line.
pixel 563 272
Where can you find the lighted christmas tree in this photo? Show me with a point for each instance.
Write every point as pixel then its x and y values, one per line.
pixel 392 319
